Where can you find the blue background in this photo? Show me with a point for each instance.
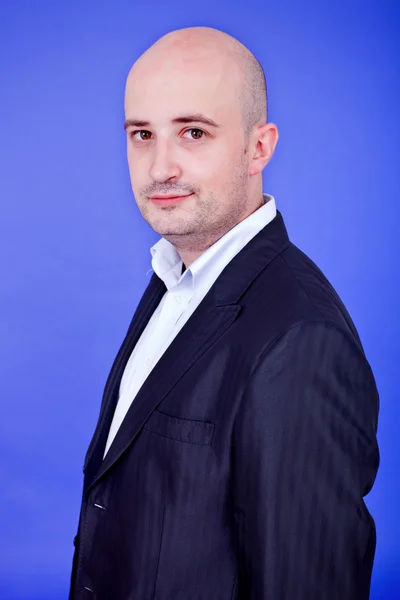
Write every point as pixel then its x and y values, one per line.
pixel 75 251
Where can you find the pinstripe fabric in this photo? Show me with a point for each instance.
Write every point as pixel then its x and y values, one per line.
pixel 240 470
pixel 304 457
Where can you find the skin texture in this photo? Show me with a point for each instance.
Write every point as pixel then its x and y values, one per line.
pixel 197 71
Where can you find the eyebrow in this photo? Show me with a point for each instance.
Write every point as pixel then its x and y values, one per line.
pixel 195 118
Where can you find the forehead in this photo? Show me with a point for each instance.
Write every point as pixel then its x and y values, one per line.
pixel 163 89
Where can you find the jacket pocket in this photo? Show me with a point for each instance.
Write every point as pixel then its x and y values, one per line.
pixel 181 430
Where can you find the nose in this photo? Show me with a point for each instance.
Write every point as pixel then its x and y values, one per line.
pixel 164 165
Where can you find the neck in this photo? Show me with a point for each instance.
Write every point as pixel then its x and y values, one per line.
pixel 189 253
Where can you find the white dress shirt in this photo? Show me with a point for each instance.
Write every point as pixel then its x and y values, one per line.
pixel 184 293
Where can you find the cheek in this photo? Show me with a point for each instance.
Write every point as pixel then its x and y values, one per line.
pixel 210 166
pixel 222 169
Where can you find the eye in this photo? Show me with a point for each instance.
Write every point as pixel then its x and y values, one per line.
pixel 143 134
pixel 196 134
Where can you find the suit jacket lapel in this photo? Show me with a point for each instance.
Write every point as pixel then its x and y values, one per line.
pixel 210 320
pixel 191 342
pixel 147 305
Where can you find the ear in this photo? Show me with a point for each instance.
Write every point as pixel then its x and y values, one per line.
pixel 262 146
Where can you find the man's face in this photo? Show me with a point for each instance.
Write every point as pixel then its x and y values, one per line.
pixel 171 151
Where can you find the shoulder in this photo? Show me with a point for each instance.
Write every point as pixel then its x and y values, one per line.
pixel 292 291
pixel 313 367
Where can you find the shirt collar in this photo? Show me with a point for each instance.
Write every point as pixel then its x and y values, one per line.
pixel 167 263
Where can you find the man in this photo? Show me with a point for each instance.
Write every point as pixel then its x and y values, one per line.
pixel 237 433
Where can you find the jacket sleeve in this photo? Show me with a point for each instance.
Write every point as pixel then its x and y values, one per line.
pixel 304 455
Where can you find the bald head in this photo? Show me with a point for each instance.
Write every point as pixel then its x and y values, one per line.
pixel 206 49
pixel 196 112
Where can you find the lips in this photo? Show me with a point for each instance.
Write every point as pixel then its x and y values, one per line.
pixel 169 197
pixel 167 200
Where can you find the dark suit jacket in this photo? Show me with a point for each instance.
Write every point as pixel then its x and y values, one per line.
pixel 240 469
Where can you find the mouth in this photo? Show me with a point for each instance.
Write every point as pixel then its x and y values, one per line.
pixel 169 200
